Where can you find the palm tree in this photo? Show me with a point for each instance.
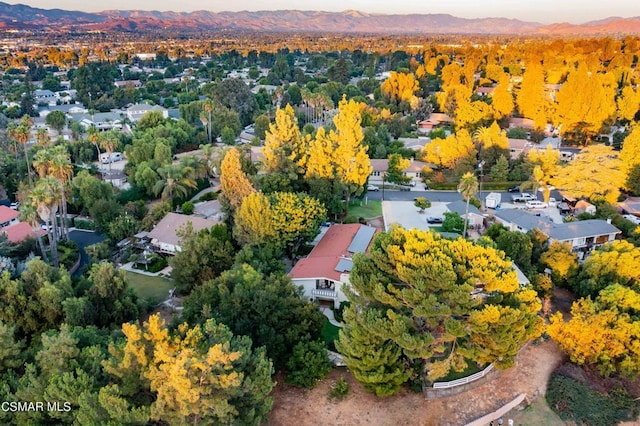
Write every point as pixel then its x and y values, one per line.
pixel 198 166
pixel 61 169
pixel 46 197
pixel 205 117
pixel 42 137
pixel 21 133
pixel 29 214
pixel 174 180
pixel 468 187
pixel 94 136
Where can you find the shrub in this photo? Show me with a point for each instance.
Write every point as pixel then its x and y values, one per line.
pixel 340 389
pixel 338 313
pixel 308 364
pixel 84 224
pixel 350 219
pixel 156 264
pixel 576 402
pixel 187 208
pixel 208 196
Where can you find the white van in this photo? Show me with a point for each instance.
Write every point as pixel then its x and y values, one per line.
pixel 105 158
pixel 535 204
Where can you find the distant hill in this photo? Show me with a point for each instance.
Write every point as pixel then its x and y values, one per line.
pixel 26 17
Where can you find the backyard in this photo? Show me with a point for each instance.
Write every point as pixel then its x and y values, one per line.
pixel 150 288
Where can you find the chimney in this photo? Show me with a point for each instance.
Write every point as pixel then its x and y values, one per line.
pixel 609 220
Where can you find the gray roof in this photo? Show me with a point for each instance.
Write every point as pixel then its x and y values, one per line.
pixel 362 239
pixel 460 207
pixel 525 220
pixel 344 265
pixel 581 229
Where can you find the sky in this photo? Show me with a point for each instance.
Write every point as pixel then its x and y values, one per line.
pixel 544 11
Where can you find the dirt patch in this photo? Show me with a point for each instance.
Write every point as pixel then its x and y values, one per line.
pixel 376 222
pixel 530 376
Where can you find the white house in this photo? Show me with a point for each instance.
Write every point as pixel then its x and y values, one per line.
pixel 582 235
pixel 137 111
pixel 324 272
pixel 164 236
pixel 413 171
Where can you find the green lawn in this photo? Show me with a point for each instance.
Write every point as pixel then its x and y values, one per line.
pixel 368 211
pixel 152 289
pixel 330 334
pixel 538 413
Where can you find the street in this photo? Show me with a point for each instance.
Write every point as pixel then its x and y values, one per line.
pixel 441 196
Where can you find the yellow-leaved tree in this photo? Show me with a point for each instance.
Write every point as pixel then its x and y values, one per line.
pixel 449 151
pixel 531 99
pixel 584 102
pixel 284 219
pixel 284 147
pixel 596 173
pixel 351 162
pixel 234 183
pixel 319 160
pixel 491 136
pixel 630 153
pixel 253 222
pixel 628 104
pixel 502 98
pixel 199 375
pixel 400 87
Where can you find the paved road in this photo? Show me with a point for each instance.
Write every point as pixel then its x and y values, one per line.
pixel 83 239
pixel 439 196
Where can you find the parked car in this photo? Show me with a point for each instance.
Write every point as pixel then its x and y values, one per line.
pixel 410 183
pixel 535 204
pixel 434 219
pixel 514 189
pixel 553 202
pixel 631 218
pixel 523 198
pixel 14 205
pixel 372 188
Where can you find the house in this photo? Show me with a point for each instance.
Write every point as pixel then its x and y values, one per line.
pixel 582 235
pixel 130 83
pixel 583 206
pixel 19 232
pixel 630 206
pixel 44 96
pixel 116 178
pixel 164 236
pixel 518 147
pixel 524 123
pixel 485 91
pixel 324 272
pixel 413 171
pixel 137 111
pixel 474 217
pixel 435 120
pixel 8 216
pixel 103 121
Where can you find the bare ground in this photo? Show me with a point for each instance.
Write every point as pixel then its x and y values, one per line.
pixel 530 376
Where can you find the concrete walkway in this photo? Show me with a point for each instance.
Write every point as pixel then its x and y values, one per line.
pixel 327 312
pixel 129 267
pixel 214 188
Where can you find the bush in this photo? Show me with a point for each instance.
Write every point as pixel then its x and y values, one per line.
pixel 132 194
pixel 576 402
pixel 84 224
pixel 340 389
pixel 187 208
pixel 338 313
pixel 350 219
pixel 209 196
pixel 156 264
pixel 308 364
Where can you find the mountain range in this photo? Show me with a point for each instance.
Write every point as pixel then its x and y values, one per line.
pixel 22 17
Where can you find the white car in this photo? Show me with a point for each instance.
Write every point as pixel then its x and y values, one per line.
pixel 553 202
pixel 535 204
pixel 631 218
pixel 372 188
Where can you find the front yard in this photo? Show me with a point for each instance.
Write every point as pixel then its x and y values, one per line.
pixel 150 288
pixel 368 211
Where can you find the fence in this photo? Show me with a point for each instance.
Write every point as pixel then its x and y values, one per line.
pixel 464 380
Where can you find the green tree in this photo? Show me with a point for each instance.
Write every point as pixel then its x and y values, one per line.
pixel 269 309
pixel 517 247
pixel 56 120
pixel 234 94
pixel 175 180
pixel 395 169
pixel 453 222
pixel 112 301
pixel 415 307
pixel 422 203
pixel 204 255
pixel 308 364
pixel 500 171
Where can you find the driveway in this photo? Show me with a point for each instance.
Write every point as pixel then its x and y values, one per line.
pixel 407 215
pixel 83 239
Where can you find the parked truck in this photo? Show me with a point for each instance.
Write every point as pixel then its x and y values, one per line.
pixel 493 200
pixel 523 198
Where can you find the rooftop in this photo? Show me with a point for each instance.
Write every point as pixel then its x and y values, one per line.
pixel 166 230
pixel 332 256
pixel 19 232
pixel 7 214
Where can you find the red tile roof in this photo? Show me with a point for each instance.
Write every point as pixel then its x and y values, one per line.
pixel 19 232
pixel 7 214
pixel 324 257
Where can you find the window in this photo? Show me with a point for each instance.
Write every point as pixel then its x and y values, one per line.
pixel 325 284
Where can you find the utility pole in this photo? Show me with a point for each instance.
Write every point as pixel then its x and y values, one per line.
pixel 480 166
